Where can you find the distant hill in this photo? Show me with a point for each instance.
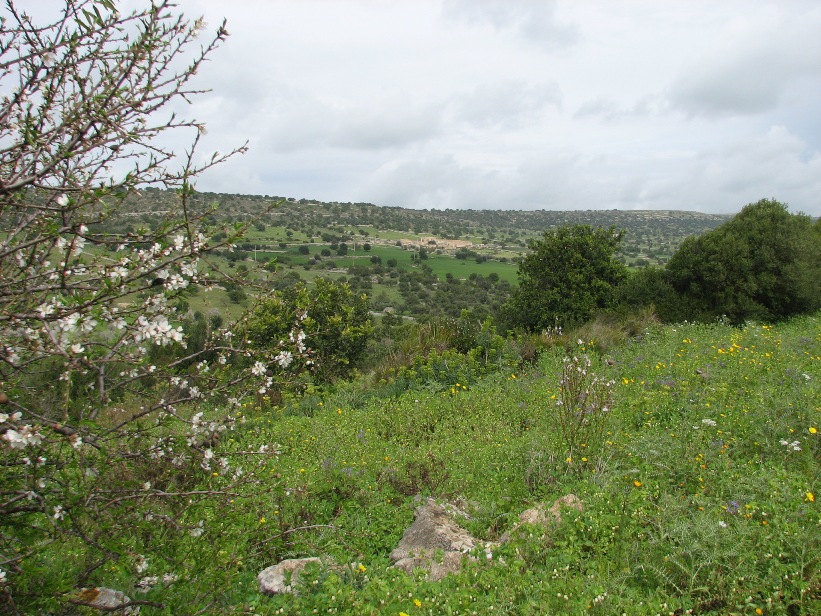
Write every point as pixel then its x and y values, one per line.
pixel 650 234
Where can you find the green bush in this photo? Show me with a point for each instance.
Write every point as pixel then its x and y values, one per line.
pixel 336 324
pixel 569 275
pixel 764 264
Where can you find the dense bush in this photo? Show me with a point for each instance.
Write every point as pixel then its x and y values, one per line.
pixel 335 322
pixel 763 264
pixel 569 274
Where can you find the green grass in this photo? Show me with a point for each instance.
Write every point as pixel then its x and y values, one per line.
pixel 692 504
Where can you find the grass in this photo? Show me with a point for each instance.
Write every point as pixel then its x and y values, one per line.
pixel 699 495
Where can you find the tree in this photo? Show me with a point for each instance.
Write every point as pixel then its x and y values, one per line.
pixel 763 264
pixel 569 274
pixel 90 411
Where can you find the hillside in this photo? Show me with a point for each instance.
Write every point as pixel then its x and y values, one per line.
pixel 649 234
pixel 697 484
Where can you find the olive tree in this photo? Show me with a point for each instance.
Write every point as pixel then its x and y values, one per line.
pixel 89 450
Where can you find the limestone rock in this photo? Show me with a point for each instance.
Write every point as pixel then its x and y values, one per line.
pixel 106 598
pixel 432 530
pixel 282 577
pixel 450 562
pixel 540 515
pixel 433 542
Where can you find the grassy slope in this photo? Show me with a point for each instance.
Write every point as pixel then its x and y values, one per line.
pixel 713 518
pixel 680 514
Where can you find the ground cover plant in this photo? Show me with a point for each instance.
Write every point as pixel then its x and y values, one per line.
pixel 698 485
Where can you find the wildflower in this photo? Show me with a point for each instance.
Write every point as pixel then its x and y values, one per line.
pixel 637 483
pixel 417 603
pixel 722 524
pixel 810 498
pixel 362 568
pixel 813 430
pixel 709 422
pixel 795 445
pixel 141 563
pixel 262 520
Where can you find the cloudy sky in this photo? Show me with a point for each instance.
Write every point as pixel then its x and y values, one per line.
pixel 518 104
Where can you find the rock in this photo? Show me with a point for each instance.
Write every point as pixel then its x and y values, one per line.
pixel 540 516
pixel 283 577
pixel 451 562
pixel 433 542
pixel 432 530
pixel 106 598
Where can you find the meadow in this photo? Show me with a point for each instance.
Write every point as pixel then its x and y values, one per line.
pixel 699 486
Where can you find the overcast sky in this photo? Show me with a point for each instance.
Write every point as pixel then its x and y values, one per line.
pixel 528 104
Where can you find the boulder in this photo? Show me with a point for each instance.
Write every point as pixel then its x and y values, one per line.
pixel 283 577
pixel 433 543
pixel 432 530
pixel 541 515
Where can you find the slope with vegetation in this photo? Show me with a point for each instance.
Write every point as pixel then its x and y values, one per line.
pixel 152 444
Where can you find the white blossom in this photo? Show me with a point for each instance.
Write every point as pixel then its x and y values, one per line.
pixel 198 530
pixel 141 563
pixel 258 369
pixel 23 437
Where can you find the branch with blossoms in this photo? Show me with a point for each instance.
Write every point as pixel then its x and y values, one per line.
pixel 100 429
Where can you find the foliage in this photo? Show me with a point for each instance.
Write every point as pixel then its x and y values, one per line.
pixel 763 264
pixel 336 325
pixel 569 274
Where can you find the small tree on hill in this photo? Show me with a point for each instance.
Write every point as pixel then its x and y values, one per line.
pixel 569 274
pixel 336 327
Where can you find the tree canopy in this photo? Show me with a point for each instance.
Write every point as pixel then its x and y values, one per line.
pixel 765 264
pixel 569 274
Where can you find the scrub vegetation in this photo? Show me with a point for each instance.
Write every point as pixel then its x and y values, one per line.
pixel 191 391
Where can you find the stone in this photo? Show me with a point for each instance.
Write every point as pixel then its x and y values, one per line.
pixel 433 542
pixel 540 515
pixel 283 577
pixel 450 562
pixel 107 598
pixel 432 530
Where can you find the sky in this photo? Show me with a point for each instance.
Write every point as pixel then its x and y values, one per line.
pixel 517 104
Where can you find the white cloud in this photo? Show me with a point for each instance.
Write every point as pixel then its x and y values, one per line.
pixel 751 67
pixel 555 104
pixel 536 21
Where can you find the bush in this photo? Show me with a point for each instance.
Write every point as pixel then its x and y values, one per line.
pixel 336 325
pixel 569 275
pixel 763 264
